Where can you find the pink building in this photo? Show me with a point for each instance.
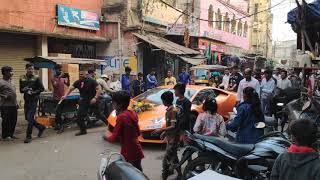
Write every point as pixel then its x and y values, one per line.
pixel 232 28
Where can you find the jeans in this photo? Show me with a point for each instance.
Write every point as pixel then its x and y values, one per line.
pixel 30 108
pixel 265 105
pixel 9 120
pixel 84 106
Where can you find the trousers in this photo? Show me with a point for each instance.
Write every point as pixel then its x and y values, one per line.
pixel 84 106
pixel 30 109
pixel 9 120
pixel 171 157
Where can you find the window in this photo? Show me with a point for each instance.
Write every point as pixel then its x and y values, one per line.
pixel 219 23
pixel 154 95
pixel 240 28
pixel 233 25
pixel 226 23
pixel 245 29
pixel 203 94
pixel 256 7
pixel 210 16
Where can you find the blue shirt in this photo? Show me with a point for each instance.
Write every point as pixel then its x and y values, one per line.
pixel 244 124
pixel 151 81
pixel 125 82
pixel 267 88
pixel 184 78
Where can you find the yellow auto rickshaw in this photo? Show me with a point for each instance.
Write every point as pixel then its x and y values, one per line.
pixel 202 73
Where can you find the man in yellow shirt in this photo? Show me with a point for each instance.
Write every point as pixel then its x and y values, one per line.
pixel 170 80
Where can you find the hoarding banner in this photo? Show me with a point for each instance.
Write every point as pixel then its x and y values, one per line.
pixel 73 17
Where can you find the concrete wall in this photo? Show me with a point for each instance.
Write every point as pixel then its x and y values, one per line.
pixel 39 16
pixel 221 35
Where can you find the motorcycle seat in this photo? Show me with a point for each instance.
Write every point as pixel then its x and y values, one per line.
pixel 232 148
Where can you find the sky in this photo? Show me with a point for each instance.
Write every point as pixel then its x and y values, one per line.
pixel 281 30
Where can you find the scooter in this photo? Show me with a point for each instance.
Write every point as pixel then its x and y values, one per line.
pixel 118 169
pixel 245 161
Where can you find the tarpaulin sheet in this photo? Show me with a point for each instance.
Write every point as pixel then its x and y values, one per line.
pixel 312 14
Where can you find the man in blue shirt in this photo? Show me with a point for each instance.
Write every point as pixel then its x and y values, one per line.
pixel 152 80
pixel 125 80
pixel 184 77
pixel 268 86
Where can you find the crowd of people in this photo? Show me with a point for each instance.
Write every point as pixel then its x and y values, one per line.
pixel 254 90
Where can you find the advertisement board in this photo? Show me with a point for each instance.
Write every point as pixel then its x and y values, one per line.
pixel 73 17
pixel 117 65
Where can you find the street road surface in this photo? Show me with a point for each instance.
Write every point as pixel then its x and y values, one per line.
pixel 66 157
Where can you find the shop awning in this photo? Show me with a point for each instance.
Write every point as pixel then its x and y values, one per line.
pixel 166 45
pixel 209 67
pixel 196 60
pixel 50 62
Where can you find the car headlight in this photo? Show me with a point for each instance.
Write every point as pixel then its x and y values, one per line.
pixel 156 123
pixel 159 120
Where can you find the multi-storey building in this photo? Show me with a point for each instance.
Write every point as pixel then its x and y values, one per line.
pixel 261 27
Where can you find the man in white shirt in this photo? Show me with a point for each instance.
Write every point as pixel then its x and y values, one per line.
pixel 248 81
pixel 276 75
pixel 225 80
pixel 284 83
pixel 267 90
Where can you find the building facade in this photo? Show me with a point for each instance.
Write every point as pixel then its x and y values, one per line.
pixel 285 52
pixel 261 28
pixel 124 19
pixel 40 28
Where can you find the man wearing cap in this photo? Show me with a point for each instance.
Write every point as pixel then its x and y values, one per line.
pixel 8 104
pixel 103 81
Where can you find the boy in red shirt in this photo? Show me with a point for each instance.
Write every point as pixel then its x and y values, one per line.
pixel 127 129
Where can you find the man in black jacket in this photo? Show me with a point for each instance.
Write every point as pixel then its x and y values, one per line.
pixel 301 161
pixel 31 87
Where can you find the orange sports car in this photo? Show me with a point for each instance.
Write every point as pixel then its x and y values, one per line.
pixel 152 112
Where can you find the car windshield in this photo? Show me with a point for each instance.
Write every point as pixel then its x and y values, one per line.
pixel 154 95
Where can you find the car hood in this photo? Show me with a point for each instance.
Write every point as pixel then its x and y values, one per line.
pixel 152 119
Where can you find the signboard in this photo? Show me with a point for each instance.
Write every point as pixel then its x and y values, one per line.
pixel 68 16
pixel 117 65
pixel 203 44
pixel 212 35
pixel 179 29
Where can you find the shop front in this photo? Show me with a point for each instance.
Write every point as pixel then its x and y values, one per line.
pixel 162 55
pixel 217 49
pixel 13 49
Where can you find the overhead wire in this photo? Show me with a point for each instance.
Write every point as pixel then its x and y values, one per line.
pixel 192 16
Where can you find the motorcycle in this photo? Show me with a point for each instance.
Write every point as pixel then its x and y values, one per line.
pixel 118 169
pixel 100 111
pixel 301 109
pixel 248 161
pixel 279 103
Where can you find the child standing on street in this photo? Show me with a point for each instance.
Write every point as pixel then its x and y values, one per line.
pixel 184 104
pixel 172 136
pixel 127 129
pixel 210 123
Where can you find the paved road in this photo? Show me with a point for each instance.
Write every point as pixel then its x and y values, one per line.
pixel 65 157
